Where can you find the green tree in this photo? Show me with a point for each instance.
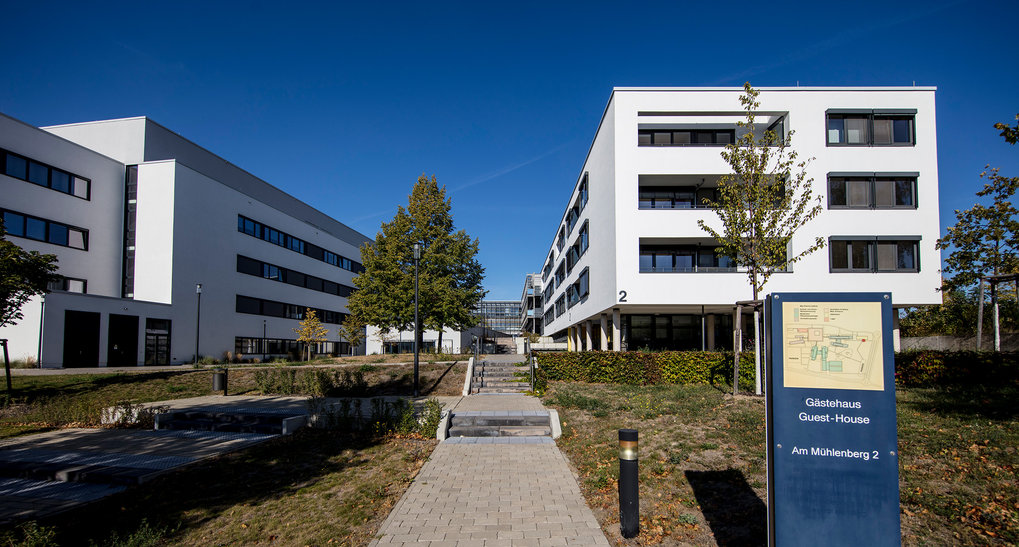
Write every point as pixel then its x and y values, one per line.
pixel 310 331
pixel 23 274
pixel 449 272
pixel 352 330
pixel 985 238
pixel 1009 132
pixel 762 203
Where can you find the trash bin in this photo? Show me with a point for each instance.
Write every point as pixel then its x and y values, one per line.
pixel 219 380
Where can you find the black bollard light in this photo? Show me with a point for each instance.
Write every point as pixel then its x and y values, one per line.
pixel 629 505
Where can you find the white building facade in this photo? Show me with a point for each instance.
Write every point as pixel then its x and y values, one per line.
pixel 139 217
pixel 628 266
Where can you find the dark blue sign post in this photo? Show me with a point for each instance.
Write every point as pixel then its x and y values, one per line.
pixel 833 464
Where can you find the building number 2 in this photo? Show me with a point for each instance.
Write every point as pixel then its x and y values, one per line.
pixel 622 296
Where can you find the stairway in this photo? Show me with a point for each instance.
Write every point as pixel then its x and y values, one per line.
pixel 505 344
pixel 225 421
pixel 500 378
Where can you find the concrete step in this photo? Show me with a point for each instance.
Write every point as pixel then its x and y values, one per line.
pixel 498 421
pixel 231 422
pixel 501 389
pixel 501 431
pixel 500 383
pixel 496 374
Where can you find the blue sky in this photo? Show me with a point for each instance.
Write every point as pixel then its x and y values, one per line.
pixel 344 105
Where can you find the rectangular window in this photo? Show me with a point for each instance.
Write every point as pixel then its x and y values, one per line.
pixel 68 284
pixel 872 191
pixel 560 306
pixel 14 223
pixel 874 254
pixel 685 137
pixel 560 275
pixel 583 192
pixel 40 229
pixel 682 259
pixel 44 175
pixel 676 197
pixel 870 128
pixel 298 245
pixel 265 270
pixel 561 240
pixel 38 173
pixel 17 167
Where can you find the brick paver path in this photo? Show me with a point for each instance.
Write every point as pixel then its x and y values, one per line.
pixel 493 493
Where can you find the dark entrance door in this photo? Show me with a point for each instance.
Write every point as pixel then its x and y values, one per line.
pixel 81 339
pixel 157 341
pixel 122 341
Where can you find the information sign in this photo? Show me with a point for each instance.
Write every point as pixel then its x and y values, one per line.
pixel 833 475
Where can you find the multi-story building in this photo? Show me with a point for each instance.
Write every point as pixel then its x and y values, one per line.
pixel 629 267
pixel 530 305
pixel 166 250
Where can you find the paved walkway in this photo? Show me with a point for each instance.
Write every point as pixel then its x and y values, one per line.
pixel 494 493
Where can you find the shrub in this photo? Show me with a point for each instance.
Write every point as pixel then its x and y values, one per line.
pixel 927 368
pixel 643 368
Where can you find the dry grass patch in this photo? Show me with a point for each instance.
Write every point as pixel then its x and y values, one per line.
pixel 703 468
pixel 315 488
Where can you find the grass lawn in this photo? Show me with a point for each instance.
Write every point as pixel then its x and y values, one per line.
pixel 314 488
pixel 703 469
pixel 41 403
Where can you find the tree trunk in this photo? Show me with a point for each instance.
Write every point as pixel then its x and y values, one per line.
pixel 439 348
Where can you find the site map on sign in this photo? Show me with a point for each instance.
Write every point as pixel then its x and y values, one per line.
pixel 832 345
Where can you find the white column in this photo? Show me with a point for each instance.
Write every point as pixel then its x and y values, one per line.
pixel 617 342
pixel 588 325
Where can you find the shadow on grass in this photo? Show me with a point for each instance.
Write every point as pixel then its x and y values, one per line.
pixel 47 387
pixel 730 506
pixel 995 402
pixel 187 498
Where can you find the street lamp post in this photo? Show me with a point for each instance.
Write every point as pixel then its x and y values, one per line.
pixel 417 326
pixel 264 349
pixel 198 317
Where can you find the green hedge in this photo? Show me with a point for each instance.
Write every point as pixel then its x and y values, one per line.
pixel 644 368
pixel 912 368
pixel 924 368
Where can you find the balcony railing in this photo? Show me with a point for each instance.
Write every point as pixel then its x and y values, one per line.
pixel 686 269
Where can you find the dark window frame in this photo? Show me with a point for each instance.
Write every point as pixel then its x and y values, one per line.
pixel 694 135
pixel 72 177
pixel 282 239
pixel 872 180
pixel 285 310
pixel 869 115
pixel 47 225
pixel 872 249
pixel 265 270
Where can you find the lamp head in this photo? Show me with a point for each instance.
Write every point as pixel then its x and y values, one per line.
pixel 198 288
pixel 417 251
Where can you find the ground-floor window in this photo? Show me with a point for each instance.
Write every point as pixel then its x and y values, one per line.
pixel 250 348
pixel 677 332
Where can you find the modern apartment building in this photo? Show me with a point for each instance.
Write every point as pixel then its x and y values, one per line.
pixel 531 309
pixel 165 249
pixel 628 267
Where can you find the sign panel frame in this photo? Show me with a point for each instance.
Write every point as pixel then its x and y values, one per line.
pixel 832 439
